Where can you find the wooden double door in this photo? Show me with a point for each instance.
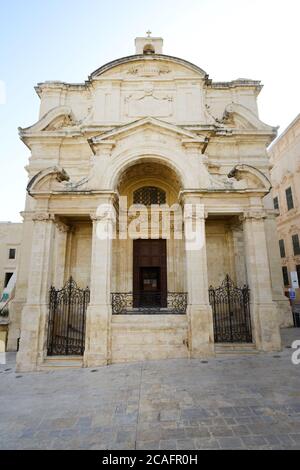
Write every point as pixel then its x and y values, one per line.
pixel 149 273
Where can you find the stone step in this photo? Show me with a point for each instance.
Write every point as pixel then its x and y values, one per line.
pixel 62 362
pixel 235 349
pixel 138 354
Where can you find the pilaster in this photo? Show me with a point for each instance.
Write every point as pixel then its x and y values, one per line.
pixel 35 313
pixel 201 337
pixel 98 321
pixel 265 323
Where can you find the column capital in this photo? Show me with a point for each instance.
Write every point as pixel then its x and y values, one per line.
pixel 190 214
pixel 62 227
pixel 43 217
pixel 253 214
pixel 107 217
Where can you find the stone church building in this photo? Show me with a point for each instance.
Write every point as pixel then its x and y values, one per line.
pixel 156 129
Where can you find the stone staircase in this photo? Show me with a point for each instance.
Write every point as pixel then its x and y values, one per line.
pixel 235 349
pixel 62 362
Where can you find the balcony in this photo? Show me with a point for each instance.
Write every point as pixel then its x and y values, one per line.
pixel 149 303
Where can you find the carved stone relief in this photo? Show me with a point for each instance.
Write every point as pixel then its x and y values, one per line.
pixel 149 103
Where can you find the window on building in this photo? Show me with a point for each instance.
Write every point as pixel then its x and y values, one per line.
pixel 276 203
pixel 148 195
pixel 285 275
pixel 298 273
pixel 289 198
pixel 296 245
pixel 12 253
pixel 282 248
pixel 7 278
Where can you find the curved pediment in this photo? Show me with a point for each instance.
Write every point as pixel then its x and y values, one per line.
pixel 251 177
pixel 238 116
pixel 57 118
pixel 144 66
pixel 46 180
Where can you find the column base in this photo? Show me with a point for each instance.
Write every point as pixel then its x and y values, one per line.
pixel 201 335
pixel 266 327
pixel 285 315
pixel 14 332
pixel 94 360
pixel 97 336
pixel 31 348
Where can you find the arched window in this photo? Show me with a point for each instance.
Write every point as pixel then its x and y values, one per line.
pixel 148 195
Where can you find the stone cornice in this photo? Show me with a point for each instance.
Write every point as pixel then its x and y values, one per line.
pixel 241 82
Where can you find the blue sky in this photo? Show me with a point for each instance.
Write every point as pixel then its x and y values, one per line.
pixel 67 39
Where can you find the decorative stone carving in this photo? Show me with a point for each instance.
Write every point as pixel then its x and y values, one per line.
pixel 148 70
pixel 149 103
pixel 60 123
pixel 254 214
pixel 42 217
pixel 63 228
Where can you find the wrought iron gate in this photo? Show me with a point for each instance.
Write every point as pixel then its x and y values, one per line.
pixel 231 313
pixel 66 327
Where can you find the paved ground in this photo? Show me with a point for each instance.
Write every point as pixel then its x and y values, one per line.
pixel 244 402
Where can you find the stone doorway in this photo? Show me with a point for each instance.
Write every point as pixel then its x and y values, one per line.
pixel 149 273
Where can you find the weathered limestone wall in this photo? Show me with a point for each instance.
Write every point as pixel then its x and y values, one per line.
pixel 225 252
pixel 79 264
pixel 149 337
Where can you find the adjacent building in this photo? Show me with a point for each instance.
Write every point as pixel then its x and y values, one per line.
pixel 285 176
pixel 155 131
pixel 10 242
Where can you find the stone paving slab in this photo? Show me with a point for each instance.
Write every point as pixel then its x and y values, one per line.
pixel 248 402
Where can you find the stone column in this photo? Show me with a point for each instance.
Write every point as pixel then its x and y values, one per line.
pixel 265 325
pixel 35 313
pixel 98 321
pixel 201 337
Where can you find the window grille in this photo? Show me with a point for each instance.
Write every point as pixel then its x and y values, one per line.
pixel 148 195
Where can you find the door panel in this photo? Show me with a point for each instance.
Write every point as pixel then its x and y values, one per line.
pixel 150 262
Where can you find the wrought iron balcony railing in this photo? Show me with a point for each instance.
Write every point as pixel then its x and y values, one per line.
pixel 143 303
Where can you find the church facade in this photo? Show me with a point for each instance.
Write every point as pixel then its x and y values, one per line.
pixel 103 278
